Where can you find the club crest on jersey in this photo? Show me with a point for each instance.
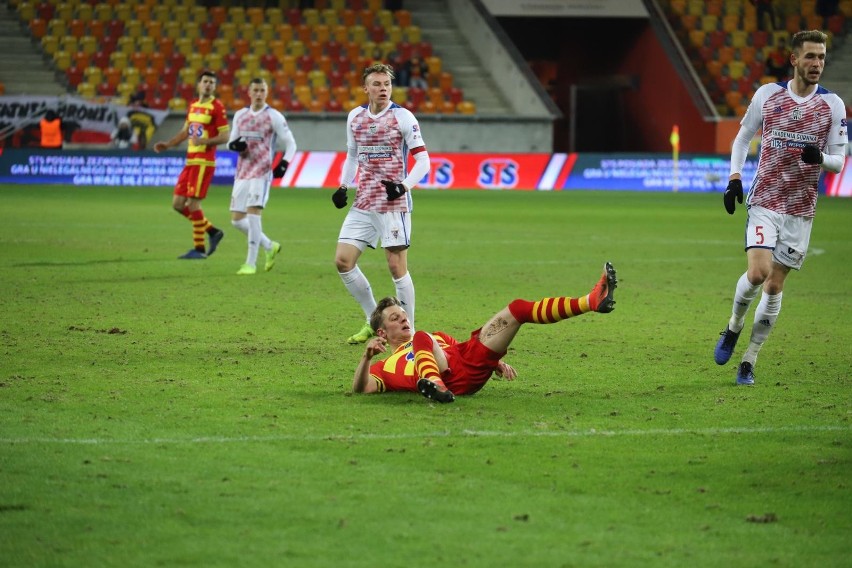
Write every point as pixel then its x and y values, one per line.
pixel 374 128
pixel 797 114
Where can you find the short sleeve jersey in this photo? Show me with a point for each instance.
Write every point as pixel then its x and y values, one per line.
pixel 205 120
pixel 261 131
pixel 397 373
pixel 783 182
pixel 383 143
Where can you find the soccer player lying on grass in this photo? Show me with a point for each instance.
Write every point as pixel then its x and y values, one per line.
pixel 440 367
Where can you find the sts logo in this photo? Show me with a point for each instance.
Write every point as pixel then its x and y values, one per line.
pixel 498 173
pixel 440 174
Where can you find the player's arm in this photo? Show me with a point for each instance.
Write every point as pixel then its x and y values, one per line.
pixel 285 137
pixel 363 382
pixel 221 137
pixel 174 140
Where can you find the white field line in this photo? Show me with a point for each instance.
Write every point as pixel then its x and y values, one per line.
pixel 439 434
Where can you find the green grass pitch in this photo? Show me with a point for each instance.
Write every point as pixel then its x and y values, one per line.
pixel 156 412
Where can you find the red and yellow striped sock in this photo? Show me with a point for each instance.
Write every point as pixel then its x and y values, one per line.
pixel 549 310
pixel 199 226
pixel 424 360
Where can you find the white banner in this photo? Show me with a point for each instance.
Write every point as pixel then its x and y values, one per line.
pixel 18 112
pixel 568 8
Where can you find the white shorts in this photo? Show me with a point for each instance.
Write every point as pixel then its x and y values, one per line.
pixel 786 235
pixel 247 193
pixel 365 228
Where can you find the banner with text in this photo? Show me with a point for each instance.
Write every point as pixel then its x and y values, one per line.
pixel 527 172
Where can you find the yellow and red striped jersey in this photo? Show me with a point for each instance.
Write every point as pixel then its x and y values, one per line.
pixel 205 120
pixel 397 373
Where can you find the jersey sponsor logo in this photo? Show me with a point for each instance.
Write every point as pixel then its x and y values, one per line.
pixel 843 123
pixel 381 153
pixel 794 136
pixel 498 174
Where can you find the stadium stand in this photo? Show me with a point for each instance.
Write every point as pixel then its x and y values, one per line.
pixel 728 49
pixel 108 49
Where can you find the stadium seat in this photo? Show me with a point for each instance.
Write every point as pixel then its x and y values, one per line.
pixel 217 14
pixel 80 59
pixel 274 16
pixel 38 28
pixel 293 17
pixel 86 90
pixel 412 35
pixel 348 18
pixel 255 16
pixel 366 18
pixel 61 59
pixel 466 107
pixel 237 15
pixel 403 18
pixel 177 104
pixel 44 11
pixel 329 17
pixel 77 28
pixel 74 76
pixel 106 90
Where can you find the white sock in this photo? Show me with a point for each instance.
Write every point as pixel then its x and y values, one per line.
pixel 255 235
pixel 745 294
pixel 241 224
pixel 405 294
pixel 764 320
pixel 360 288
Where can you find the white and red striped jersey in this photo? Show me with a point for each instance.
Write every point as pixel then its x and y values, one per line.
pixel 261 130
pixel 783 183
pixel 382 143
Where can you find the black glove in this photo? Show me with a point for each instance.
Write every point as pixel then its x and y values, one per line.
pixel 339 197
pixel 280 169
pixel 811 155
pixel 393 189
pixel 734 190
pixel 238 145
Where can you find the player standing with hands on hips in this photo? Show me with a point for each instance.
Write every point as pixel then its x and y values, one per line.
pixel 804 132
pixel 379 137
pixel 255 134
pixel 206 127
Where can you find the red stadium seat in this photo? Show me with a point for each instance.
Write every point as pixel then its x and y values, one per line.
pixel 74 76
pixel 38 28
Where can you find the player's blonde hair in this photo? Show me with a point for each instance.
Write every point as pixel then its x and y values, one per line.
pixel 377 68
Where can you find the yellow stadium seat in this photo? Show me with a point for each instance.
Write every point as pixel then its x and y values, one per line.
pixel 237 15
pixel 274 16
pixel 385 18
pixel 64 11
pixel 466 107
pixel 86 90
pixel 317 78
pixel 265 32
pixel 62 59
pixel 88 44
pixel 433 64
pixel 84 12
pixel 695 7
pixel 197 15
pixel 213 61
pixel 93 75
pixel 297 48
pixel 57 28
pixel 310 16
pixel 26 11
pixel 125 89
pixel 122 12
pixel 50 44
pixel 181 14
pixel 394 34
pixel 177 104
pixel 146 44
pixel 696 37
pixel 118 59
pixel 736 69
pixel 246 31
pixel 184 46
pixel 228 31
pixel 251 63
pixel 255 16
pixel 103 12
pixel 709 23
pixel 161 13
pixel 154 30
pixel 358 33
pixel 69 43
pixel 412 34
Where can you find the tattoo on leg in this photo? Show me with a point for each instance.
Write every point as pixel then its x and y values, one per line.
pixel 494 327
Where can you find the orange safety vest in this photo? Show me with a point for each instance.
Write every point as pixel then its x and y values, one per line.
pixel 51 133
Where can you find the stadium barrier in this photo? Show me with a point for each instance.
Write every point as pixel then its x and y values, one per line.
pixel 487 171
